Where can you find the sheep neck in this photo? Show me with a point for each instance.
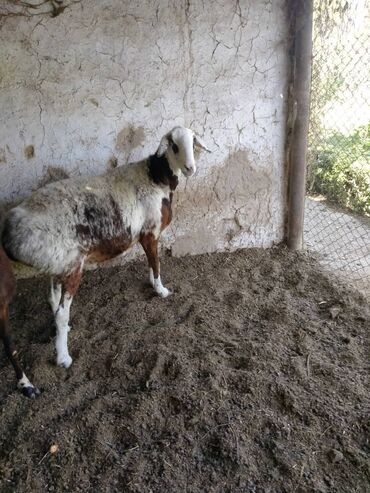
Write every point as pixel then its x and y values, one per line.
pixel 161 173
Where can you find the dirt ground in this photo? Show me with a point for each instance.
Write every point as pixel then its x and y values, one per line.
pixel 252 377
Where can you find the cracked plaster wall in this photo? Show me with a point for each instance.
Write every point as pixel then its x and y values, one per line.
pixel 103 81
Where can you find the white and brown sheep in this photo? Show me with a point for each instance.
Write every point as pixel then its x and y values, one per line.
pixel 92 219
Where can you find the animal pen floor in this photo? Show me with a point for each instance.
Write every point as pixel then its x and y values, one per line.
pixel 252 377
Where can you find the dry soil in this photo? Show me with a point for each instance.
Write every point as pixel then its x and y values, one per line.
pixel 252 377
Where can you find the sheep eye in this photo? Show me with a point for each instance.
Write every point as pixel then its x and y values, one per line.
pixel 175 147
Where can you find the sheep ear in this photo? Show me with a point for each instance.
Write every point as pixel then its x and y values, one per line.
pixel 163 145
pixel 198 142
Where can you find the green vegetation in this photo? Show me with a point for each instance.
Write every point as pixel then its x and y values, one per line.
pixel 341 169
pixel 338 163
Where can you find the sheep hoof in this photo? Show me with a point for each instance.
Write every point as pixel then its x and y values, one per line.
pixel 64 361
pixel 26 387
pixel 164 292
pixel 30 392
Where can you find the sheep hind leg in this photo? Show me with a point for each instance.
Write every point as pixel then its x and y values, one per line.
pixel 23 384
pixel 62 325
pixel 55 295
pixel 69 285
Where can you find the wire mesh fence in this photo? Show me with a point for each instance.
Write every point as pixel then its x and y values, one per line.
pixel 337 215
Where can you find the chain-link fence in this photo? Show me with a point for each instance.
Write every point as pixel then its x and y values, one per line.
pixel 337 215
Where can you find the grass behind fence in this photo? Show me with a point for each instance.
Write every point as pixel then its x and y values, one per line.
pixel 341 169
pixel 339 137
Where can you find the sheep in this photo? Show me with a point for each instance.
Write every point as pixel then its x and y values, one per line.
pixel 7 291
pixel 92 219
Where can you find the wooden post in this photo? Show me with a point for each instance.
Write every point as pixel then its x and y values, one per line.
pixel 302 55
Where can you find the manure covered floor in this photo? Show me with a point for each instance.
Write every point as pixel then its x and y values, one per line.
pixel 252 377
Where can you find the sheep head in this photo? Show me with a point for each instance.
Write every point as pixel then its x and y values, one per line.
pixel 178 146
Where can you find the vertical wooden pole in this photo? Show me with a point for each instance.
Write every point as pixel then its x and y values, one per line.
pixel 302 32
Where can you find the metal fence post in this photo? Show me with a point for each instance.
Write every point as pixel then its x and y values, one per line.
pixel 302 32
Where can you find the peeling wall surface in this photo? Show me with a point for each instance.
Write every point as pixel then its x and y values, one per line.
pixel 100 83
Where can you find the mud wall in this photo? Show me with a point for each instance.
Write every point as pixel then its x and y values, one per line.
pixel 97 83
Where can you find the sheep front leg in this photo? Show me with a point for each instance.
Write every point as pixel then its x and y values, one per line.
pixel 150 246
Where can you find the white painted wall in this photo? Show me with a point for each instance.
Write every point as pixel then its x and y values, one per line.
pixel 108 78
